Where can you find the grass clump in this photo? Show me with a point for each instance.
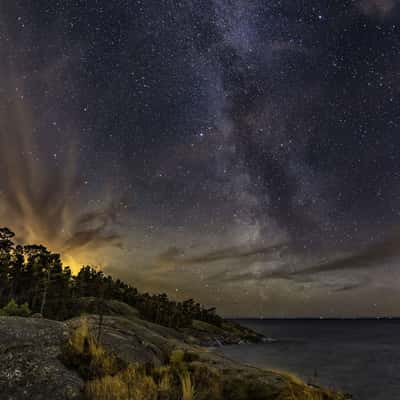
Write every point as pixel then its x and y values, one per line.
pixel 89 358
pixel 165 380
pixel 186 385
pixel 207 381
pixel 129 384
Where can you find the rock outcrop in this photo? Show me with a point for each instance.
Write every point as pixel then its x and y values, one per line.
pixel 30 367
pixel 30 350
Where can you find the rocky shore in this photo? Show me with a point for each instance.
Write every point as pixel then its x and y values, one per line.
pixel 30 356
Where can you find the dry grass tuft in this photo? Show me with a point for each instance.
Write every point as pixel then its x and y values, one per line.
pixel 84 353
pixel 165 379
pixel 129 384
pixel 187 385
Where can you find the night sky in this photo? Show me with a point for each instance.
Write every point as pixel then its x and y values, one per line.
pixel 243 153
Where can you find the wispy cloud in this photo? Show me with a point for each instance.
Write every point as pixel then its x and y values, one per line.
pixel 224 254
pixel 369 256
pixel 43 189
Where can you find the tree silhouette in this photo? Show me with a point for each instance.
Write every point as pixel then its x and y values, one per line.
pixel 34 275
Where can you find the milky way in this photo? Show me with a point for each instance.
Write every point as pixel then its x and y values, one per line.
pixel 245 155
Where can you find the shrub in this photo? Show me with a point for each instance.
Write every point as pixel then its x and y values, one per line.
pixel 24 310
pixel 13 309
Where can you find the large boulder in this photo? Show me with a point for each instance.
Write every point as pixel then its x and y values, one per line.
pixel 29 359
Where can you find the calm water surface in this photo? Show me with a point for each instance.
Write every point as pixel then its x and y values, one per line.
pixel 358 357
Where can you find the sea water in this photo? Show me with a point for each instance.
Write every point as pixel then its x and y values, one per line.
pixel 361 357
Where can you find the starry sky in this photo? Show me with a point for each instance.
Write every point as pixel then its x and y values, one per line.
pixel 246 154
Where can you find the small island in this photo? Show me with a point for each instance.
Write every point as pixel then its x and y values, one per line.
pixel 90 336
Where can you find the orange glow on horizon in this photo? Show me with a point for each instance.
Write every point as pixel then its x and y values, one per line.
pixel 72 262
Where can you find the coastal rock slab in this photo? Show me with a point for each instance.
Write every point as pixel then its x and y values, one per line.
pixel 30 368
pixel 133 340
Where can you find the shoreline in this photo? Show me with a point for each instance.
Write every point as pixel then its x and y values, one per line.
pixel 40 342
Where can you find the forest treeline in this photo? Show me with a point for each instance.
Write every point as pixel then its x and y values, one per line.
pixel 35 276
